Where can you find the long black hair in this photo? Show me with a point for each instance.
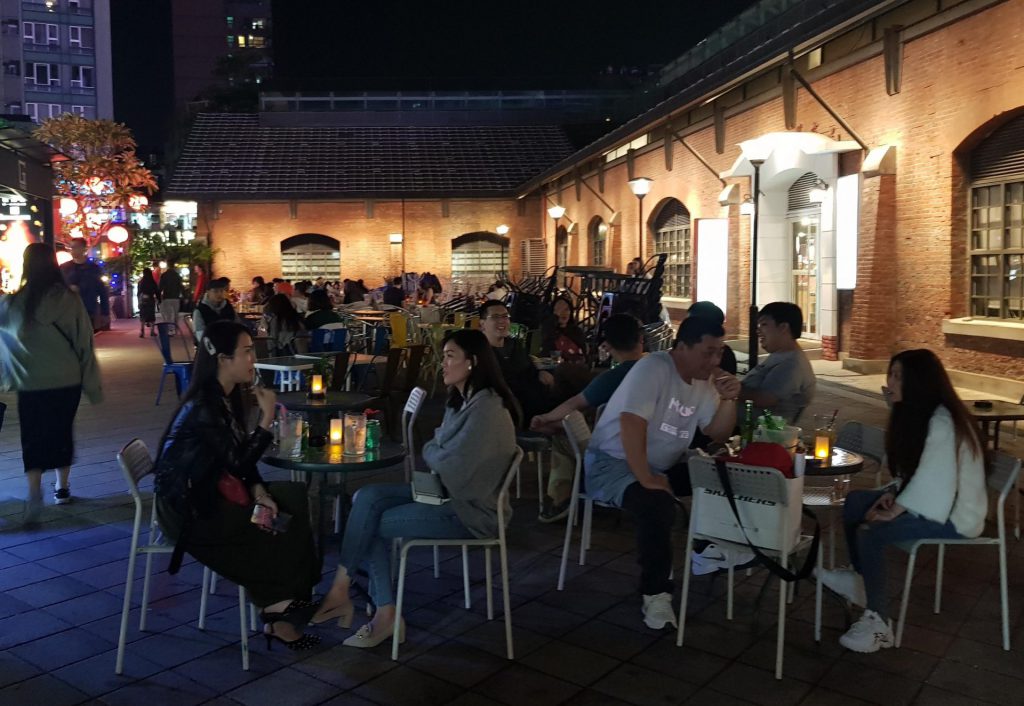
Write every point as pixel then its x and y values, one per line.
pixel 485 372
pixel 219 338
pixel 280 307
pixel 40 274
pixel 924 386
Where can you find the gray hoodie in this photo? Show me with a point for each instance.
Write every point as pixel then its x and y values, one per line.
pixel 472 451
pixel 53 350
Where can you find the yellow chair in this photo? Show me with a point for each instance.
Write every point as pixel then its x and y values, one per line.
pixel 399 330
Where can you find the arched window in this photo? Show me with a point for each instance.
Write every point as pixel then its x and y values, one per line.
pixel 598 234
pixel 477 260
pixel 672 237
pixel 310 255
pixel 996 224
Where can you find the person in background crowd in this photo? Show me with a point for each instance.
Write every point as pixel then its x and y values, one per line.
pixel 320 310
pixel 636 459
pixel 471 452
pixel 258 293
pixel 351 292
pixel 299 300
pixel 148 295
pixel 624 341
pixel 198 283
pixel 214 307
pixel 393 294
pixel 47 356
pixel 784 382
pixel 529 386
pixel 283 286
pixel 283 325
pixel 84 277
pixel 319 284
pixel 497 291
pixel 206 441
pixel 172 289
pixel 635 267
pixel 561 334
pixel 938 491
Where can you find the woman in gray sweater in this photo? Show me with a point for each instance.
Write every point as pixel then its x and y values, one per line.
pixel 471 451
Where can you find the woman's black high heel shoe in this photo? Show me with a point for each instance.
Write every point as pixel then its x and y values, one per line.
pixel 306 642
pixel 297 613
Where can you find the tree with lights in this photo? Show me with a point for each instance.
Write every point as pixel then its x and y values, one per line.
pixel 103 179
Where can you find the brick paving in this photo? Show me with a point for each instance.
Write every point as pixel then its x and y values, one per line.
pixel 61 587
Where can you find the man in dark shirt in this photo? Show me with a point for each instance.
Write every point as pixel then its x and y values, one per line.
pixel 393 294
pixel 528 385
pixel 624 341
pixel 84 276
pixel 172 289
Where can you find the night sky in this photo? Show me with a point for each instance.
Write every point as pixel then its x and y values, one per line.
pixel 419 45
pixel 482 44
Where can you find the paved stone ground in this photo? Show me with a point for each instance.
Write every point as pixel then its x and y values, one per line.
pixel 62 586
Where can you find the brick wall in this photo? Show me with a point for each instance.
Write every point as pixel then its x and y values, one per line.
pixel 248 235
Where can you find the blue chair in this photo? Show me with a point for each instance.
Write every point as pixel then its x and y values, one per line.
pixel 381 343
pixel 181 370
pixel 328 340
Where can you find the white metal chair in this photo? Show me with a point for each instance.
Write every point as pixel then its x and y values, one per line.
pixel 487 543
pixel 766 485
pixel 1002 480
pixel 136 464
pixel 578 434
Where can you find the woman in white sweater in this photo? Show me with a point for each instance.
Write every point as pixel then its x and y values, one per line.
pixel 937 462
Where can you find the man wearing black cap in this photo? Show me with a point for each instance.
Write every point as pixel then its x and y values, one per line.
pixel 214 306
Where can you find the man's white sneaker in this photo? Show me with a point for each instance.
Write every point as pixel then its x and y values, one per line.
pixel 869 634
pixel 714 558
pixel 847 583
pixel 658 611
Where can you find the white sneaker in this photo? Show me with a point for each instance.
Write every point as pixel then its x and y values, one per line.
pixel 869 634
pixel 715 557
pixel 657 610
pixel 847 583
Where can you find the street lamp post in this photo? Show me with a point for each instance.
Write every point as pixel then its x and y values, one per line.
pixel 641 186
pixel 502 230
pixel 556 212
pixel 752 343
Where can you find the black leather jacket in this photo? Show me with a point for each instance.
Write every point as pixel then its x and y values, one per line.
pixel 204 441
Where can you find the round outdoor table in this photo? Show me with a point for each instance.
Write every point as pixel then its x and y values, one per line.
pixel 991 414
pixel 841 466
pixel 318 462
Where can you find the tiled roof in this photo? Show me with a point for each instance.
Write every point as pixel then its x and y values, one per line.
pixel 233 155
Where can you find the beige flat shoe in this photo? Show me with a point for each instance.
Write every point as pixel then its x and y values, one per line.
pixel 366 637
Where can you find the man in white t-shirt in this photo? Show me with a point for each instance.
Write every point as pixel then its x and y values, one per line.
pixel 636 456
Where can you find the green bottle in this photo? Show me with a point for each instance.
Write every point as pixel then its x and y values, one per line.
pixel 747 428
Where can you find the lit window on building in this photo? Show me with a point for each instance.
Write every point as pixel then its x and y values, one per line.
pixel 241 41
pixel 257 42
pixel 672 237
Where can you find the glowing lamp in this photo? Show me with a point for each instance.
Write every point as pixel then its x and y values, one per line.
pixel 318 384
pixel 641 186
pixel 336 427
pixel 117 234
pixel 823 445
pixel 502 229
pixel 556 212
pixel 68 206
pixel 138 202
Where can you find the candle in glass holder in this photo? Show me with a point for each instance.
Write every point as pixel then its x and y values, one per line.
pixel 336 431
pixel 317 386
pixel 823 445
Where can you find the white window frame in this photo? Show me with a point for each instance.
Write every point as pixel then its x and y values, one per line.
pixel 52 74
pixel 54 110
pixel 80 81
pixel 52 34
pixel 32 111
pixel 28 32
pixel 75 37
pixel 79 110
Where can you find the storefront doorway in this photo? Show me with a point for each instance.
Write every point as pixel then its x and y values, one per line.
pixel 803 223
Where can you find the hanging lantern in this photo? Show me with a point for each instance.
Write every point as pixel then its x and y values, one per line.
pixel 117 234
pixel 68 206
pixel 138 202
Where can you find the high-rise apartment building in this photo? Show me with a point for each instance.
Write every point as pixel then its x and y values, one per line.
pixel 55 56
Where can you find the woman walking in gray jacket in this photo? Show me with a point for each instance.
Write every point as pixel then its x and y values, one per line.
pixel 471 451
pixel 48 358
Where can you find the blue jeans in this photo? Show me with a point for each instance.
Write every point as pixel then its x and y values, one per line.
pixel 380 513
pixel 867 542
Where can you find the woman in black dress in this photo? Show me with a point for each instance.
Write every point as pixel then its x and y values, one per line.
pixel 149 293
pixel 205 443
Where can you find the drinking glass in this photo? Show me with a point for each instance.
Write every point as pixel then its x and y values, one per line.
pixel 291 428
pixel 355 434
